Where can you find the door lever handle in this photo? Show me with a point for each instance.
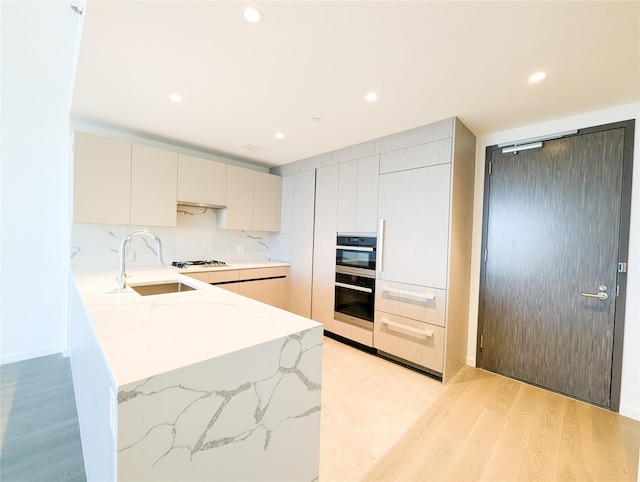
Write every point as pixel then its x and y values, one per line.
pixel 601 296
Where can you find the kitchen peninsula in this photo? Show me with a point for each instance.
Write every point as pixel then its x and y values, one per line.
pixel 202 384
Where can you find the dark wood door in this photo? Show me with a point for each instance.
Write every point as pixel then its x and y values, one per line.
pixel 552 236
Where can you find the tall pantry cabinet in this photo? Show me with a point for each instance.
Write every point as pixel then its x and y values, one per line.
pixel 424 252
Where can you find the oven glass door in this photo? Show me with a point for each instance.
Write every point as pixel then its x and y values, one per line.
pixel 353 258
pixel 354 298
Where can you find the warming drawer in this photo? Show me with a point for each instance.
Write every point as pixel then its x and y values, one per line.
pixel 417 342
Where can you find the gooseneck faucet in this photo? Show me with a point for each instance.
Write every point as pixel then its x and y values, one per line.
pixel 122 277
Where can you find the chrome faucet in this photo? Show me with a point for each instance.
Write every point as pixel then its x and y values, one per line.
pixel 122 277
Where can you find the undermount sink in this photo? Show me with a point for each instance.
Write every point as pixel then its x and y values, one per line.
pixel 161 288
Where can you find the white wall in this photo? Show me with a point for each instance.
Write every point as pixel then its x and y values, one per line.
pixel 39 48
pixel 630 393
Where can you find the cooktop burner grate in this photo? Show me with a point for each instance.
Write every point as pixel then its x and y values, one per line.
pixel 207 264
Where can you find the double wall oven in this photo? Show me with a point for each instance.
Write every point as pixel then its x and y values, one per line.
pixel 355 279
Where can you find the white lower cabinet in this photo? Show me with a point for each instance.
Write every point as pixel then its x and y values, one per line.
pixel 411 340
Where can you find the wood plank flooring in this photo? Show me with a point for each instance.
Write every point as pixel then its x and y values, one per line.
pixel 488 427
pixel 39 435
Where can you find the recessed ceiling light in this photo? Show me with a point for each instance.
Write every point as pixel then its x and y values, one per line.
pixel 372 97
pixel 175 98
pixel 252 14
pixel 279 135
pixel 537 77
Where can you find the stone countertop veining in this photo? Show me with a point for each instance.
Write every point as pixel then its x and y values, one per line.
pixel 143 336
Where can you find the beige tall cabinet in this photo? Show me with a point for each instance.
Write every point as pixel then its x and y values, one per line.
pixel 424 252
pixel 294 242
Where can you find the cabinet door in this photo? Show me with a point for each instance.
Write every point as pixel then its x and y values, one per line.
pixel 367 195
pixel 153 186
pixel 294 243
pixel 347 196
pixel 358 196
pixel 324 242
pixel 201 181
pixel 266 201
pixel 414 206
pixel 239 207
pixel 102 180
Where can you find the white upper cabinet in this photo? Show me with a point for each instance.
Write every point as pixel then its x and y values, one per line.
pixel 414 207
pixel 201 181
pixel 267 192
pixel 116 182
pixel 153 186
pixel 358 195
pixel 253 201
pixel 102 180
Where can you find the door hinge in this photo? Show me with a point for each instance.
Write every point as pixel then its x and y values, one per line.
pixel 481 342
pixel 617 290
pixel 622 267
pixel 485 255
pixel 490 166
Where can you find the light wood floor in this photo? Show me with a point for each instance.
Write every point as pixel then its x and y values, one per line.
pixel 480 426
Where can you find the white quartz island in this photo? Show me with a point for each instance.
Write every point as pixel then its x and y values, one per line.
pixel 195 385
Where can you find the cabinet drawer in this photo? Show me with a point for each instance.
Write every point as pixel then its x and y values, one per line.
pixel 262 273
pixel 411 340
pixel 411 301
pixel 215 276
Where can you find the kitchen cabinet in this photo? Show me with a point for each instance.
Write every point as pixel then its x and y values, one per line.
pixel 117 182
pixel 101 179
pixel 253 201
pixel 424 252
pixel 414 214
pixel 267 192
pixel 358 195
pixel 268 285
pixel 324 242
pixel 201 181
pixel 153 186
pixel 294 243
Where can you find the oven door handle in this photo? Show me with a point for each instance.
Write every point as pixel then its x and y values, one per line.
pixel 354 287
pixel 355 248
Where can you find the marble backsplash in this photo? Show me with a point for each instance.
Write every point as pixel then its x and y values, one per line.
pixel 195 237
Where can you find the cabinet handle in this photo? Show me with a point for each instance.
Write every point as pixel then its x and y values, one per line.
pixel 424 296
pixel 417 331
pixel 354 287
pixel 380 250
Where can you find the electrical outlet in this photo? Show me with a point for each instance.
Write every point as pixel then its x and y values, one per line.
pixel 240 249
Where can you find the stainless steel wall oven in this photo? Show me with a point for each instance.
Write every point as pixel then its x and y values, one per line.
pixel 355 280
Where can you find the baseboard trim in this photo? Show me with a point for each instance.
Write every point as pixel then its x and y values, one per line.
pixel 630 412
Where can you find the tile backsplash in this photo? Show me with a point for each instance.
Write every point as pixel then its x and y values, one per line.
pixel 194 237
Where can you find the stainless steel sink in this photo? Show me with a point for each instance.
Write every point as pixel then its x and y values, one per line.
pixel 161 288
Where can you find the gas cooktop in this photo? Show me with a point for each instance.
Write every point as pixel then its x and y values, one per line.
pixel 206 264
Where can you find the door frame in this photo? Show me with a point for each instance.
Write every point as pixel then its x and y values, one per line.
pixel 623 250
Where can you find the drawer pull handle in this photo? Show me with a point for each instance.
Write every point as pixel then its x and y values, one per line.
pixel 417 331
pixel 424 296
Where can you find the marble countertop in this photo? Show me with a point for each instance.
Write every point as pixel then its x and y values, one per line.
pixel 144 336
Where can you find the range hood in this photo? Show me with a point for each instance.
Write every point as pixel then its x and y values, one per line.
pixel 200 205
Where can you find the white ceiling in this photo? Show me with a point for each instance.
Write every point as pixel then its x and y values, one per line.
pixel 241 83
